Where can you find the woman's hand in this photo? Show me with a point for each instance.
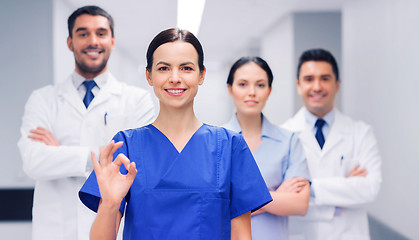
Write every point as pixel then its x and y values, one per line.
pixel 293 185
pixel 113 185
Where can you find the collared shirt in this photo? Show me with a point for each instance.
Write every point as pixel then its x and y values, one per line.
pixel 101 81
pixel 311 119
pixel 280 156
pixel 78 80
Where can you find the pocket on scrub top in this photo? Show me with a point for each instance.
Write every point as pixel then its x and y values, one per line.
pixel 170 214
pixel 215 215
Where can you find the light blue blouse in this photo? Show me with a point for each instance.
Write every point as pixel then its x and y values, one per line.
pixel 280 156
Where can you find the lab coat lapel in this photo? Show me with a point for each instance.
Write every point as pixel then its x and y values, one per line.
pixel 307 139
pixel 336 134
pixel 111 88
pixel 306 135
pixel 68 93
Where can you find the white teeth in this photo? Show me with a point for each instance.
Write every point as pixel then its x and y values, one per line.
pixel 175 91
pixel 317 95
pixel 92 53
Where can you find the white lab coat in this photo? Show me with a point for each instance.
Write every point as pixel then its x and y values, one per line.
pixel 58 214
pixel 336 211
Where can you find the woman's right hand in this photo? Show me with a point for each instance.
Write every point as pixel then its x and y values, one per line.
pixel 113 185
pixel 295 185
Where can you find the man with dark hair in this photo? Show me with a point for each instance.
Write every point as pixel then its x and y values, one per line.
pixel 63 123
pixel 89 10
pixel 342 155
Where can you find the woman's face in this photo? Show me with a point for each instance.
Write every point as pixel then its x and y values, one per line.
pixel 175 74
pixel 250 89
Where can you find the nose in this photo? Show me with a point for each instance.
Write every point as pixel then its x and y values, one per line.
pixel 175 77
pixel 252 91
pixel 93 40
pixel 317 85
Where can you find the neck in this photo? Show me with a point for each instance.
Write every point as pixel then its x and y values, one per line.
pixel 318 113
pixel 175 121
pixel 88 75
pixel 251 129
pixel 250 124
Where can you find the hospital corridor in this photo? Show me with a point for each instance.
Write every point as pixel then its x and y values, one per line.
pixel 375 47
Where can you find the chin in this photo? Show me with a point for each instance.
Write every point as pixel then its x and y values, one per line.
pixel 252 112
pixel 318 111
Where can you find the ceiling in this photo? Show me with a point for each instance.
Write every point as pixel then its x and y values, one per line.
pixel 227 26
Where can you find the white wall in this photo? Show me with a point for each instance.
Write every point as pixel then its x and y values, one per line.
pixel 63 63
pixel 277 48
pixel 380 85
pixel 25 64
pixel 213 104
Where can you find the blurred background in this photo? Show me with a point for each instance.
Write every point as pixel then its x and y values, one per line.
pixel 376 43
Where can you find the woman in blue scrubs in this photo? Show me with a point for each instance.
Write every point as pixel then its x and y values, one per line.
pixel 176 178
pixel 277 152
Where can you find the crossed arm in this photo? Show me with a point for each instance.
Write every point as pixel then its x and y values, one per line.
pixel 361 185
pixel 290 198
pixel 43 157
pixel 44 136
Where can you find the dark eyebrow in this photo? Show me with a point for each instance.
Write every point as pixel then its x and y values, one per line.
pixel 103 29
pixel 242 79
pixel 187 63
pixel 81 29
pixel 326 75
pixel 85 29
pixel 163 63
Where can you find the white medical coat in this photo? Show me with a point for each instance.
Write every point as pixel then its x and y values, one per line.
pixel 60 171
pixel 336 211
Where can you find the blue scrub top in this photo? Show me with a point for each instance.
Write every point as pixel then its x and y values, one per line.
pixel 188 195
pixel 280 156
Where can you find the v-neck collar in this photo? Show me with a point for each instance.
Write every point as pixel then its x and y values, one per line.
pixel 187 143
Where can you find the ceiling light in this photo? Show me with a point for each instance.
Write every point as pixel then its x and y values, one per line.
pixel 189 14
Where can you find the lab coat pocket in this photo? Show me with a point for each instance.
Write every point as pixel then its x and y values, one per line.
pixel 346 164
pixel 215 214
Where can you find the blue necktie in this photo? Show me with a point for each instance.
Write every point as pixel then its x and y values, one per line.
pixel 89 84
pixel 319 134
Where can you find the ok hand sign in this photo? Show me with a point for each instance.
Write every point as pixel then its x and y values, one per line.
pixel 113 185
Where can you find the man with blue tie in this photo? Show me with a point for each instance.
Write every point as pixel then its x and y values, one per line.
pixel 63 123
pixel 342 156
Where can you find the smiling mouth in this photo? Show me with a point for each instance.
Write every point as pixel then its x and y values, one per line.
pixel 175 91
pixel 317 96
pixel 251 102
pixel 93 52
